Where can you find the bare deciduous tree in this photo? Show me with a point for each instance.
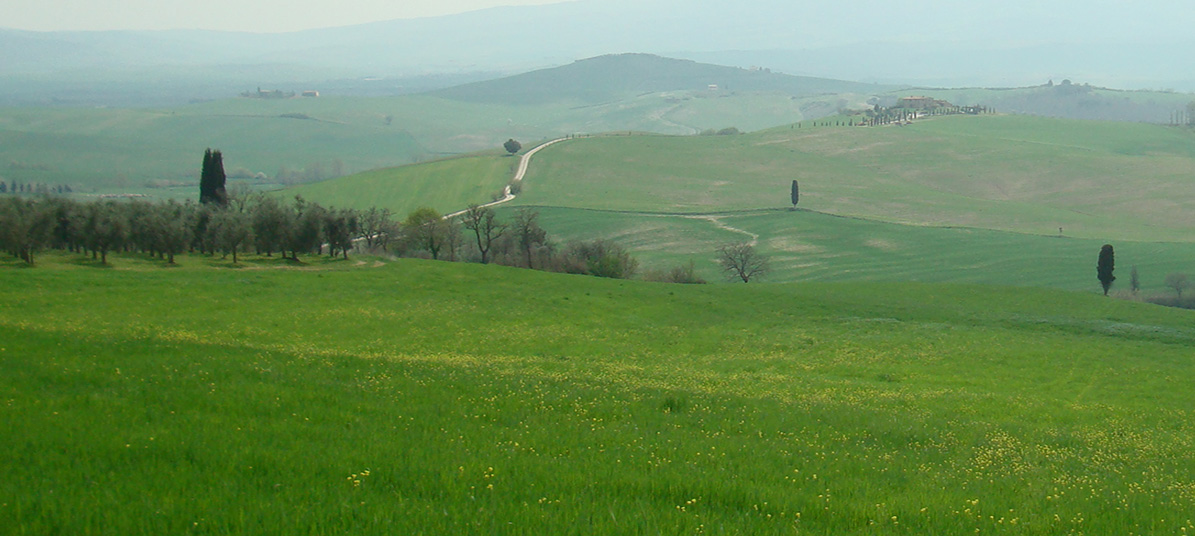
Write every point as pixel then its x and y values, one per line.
pixel 528 234
pixel 1178 282
pixel 741 261
pixel 481 221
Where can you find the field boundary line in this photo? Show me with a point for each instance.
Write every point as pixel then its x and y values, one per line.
pixel 756 211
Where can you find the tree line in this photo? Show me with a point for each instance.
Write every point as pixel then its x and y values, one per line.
pixel 234 223
pixel 267 226
pixel 35 188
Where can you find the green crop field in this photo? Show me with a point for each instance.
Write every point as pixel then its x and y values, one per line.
pixel 955 199
pixel 148 151
pixel 1098 180
pixel 158 151
pixel 366 397
pixel 445 185
pixel 808 246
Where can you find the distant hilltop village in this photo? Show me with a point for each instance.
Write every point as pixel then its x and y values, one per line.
pixel 277 94
pixel 922 103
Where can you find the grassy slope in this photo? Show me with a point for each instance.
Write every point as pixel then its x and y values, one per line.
pixel 216 400
pixel 445 185
pixel 1021 174
pixel 1096 180
pixel 808 246
pixel 123 150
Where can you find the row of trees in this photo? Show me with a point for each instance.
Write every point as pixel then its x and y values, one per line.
pixel 35 188
pixel 1183 117
pixel 1177 281
pixel 165 229
pixel 267 226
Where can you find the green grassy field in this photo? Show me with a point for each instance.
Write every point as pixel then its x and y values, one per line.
pixel 361 396
pixel 1098 180
pixel 128 150
pixel 809 246
pixel 116 150
pixel 957 199
pixel 445 185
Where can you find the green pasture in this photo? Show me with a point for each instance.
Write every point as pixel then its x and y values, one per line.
pixel 1097 180
pixel 363 396
pixel 446 185
pixel 148 150
pixel 809 246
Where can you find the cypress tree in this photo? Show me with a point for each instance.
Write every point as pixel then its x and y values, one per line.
pixel 796 194
pixel 212 179
pixel 206 190
pixel 1105 266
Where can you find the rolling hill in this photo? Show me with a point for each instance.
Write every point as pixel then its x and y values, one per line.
pixel 133 150
pixel 1067 100
pixel 1024 174
pixel 962 199
pixel 616 77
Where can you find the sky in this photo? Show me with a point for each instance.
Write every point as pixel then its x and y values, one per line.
pixel 266 16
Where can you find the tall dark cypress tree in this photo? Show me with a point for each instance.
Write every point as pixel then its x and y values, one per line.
pixel 796 194
pixel 207 192
pixel 212 179
pixel 1105 266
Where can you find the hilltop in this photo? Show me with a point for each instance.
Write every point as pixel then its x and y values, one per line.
pixel 614 77
pixel 1071 100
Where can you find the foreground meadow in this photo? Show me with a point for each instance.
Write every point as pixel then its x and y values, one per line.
pixel 430 398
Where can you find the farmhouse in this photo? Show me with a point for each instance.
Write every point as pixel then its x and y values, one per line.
pixel 310 93
pixel 922 103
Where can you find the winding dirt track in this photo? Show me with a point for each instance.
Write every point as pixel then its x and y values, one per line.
pixel 523 163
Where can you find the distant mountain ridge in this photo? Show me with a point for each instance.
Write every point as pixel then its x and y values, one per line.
pixel 1141 45
pixel 601 78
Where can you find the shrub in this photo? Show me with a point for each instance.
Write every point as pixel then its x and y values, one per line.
pixel 683 274
pixel 601 258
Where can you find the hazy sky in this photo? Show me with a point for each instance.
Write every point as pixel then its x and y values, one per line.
pixel 237 15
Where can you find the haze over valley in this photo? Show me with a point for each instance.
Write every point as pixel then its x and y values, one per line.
pixel 597 267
